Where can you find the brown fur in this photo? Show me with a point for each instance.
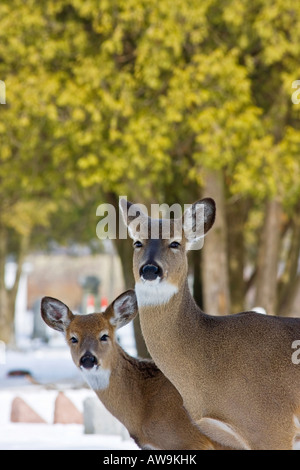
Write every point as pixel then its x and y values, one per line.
pixel 139 395
pixel 237 368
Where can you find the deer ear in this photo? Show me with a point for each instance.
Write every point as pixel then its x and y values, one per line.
pixel 197 221
pixel 134 216
pixel 125 308
pixel 56 314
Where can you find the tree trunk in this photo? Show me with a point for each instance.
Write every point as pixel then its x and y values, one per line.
pixel 13 291
pixel 4 335
pixel 235 222
pixel 195 260
pixel 288 308
pixel 215 260
pixel 268 256
pixel 289 280
pixel 125 252
pixel 124 249
pixel 8 295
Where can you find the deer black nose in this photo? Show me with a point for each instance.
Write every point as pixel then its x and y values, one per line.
pixel 88 360
pixel 150 272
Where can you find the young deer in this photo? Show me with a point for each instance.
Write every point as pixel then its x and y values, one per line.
pixel 236 368
pixel 135 391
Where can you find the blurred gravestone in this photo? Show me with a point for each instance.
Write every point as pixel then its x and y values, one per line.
pixel 98 420
pixel 21 412
pixel 65 412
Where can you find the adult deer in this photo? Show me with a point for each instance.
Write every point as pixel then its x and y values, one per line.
pixel 235 368
pixel 135 391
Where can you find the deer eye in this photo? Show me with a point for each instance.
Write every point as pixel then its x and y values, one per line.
pixel 104 337
pixel 174 245
pixel 73 340
pixel 137 244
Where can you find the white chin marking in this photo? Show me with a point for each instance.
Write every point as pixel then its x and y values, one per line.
pixel 155 292
pixel 96 377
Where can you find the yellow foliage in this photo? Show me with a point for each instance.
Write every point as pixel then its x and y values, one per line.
pixel 129 95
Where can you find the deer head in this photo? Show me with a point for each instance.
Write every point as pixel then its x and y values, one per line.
pixel 160 260
pixel 91 338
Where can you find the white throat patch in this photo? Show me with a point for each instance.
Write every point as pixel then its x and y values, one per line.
pixel 96 377
pixel 154 293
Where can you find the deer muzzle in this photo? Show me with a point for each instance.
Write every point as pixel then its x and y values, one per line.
pixel 88 360
pixel 150 272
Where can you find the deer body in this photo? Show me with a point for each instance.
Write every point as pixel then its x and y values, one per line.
pixel 235 379
pixel 236 368
pixel 152 426
pixel 135 391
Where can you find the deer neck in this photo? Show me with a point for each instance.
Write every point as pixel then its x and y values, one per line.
pixel 172 330
pixel 165 303
pixel 173 319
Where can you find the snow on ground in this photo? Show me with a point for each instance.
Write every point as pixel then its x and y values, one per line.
pixel 52 368
pixel 57 437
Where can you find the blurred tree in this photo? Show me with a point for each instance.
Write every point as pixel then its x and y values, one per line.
pixel 270 52
pixel 145 98
pixel 30 179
